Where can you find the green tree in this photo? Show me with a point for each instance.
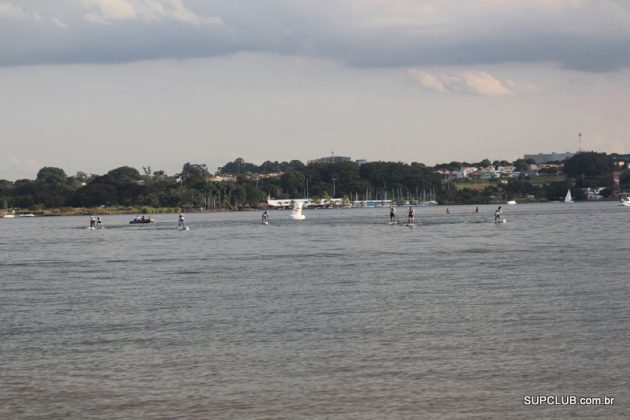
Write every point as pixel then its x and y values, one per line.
pixel 588 164
pixel 521 165
pixel 51 176
pixel 124 175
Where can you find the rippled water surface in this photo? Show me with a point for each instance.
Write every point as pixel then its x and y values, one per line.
pixel 338 316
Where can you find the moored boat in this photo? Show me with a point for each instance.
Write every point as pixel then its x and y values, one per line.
pixel 9 215
pixel 141 220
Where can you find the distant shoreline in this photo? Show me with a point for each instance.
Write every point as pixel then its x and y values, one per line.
pixel 112 211
pixel 104 211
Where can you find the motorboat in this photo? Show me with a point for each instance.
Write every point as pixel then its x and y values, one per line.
pixel 625 201
pixel 141 220
pixel 511 202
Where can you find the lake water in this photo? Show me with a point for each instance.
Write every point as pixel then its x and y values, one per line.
pixel 338 316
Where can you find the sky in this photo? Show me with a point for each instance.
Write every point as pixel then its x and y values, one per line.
pixel 91 85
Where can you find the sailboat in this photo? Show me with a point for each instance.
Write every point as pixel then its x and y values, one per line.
pixel 8 215
pixel 568 198
pixel 296 214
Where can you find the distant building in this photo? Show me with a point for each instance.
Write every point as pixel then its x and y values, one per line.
pixel 549 157
pixel 505 170
pixel 621 161
pixel 488 173
pixel 361 162
pixel 594 193
pixel 306 203
pixel 224 178
pixel 331 159
pixel 461 174
pixel 276 174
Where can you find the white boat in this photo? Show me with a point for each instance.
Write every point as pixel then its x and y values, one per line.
pixel 9 215
pixel 625 201
pixel 511 202
pixel 429 203
pixel 296 214
pixel 568 198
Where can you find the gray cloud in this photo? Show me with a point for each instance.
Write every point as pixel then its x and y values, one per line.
pixel 587 35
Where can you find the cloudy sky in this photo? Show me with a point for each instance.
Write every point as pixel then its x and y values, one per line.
pixel 90 85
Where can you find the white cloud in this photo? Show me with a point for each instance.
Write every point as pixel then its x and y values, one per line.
pixel 429 81
pixel 10 11
pixel 183 14
pixel 59 23
pixel 108 11
pixel 472 82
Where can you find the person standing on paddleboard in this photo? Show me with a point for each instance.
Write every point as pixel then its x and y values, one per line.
pixel 392 214
pixel 411 216
pixel 497 214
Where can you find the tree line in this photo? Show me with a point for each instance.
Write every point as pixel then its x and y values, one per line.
pixel 250 184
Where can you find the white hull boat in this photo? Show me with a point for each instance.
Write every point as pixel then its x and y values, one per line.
pixel 296 214
pixel 568 198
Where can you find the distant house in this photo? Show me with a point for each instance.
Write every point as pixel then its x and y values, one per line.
pixel 505 170
pixel 488 173
pixel 550 169
pixel 331 159
pixel 269 175
pixel 594 193
pixel 461 174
